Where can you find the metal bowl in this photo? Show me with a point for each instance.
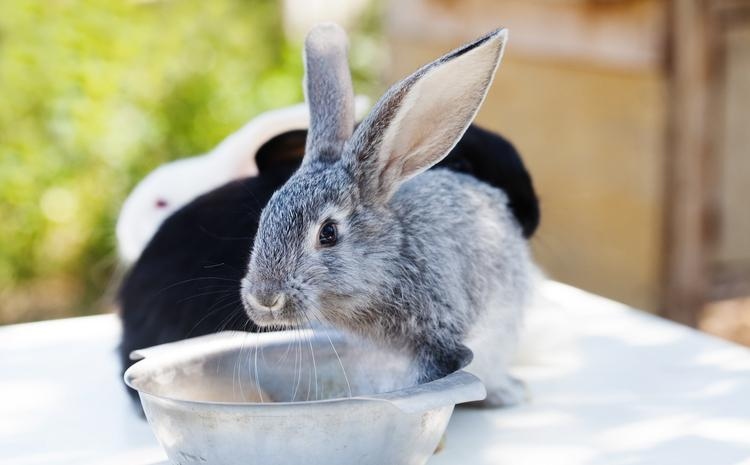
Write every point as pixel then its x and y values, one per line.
pixel 291 397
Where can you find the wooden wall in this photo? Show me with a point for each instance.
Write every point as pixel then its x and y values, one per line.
pixel 731 262
pixel 581 93
pixel 632 116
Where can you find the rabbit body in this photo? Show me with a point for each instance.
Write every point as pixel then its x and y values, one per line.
pixel 442 267
pixel 460 276
pixel 364 238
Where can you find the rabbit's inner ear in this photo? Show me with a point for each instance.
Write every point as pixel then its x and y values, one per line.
pixel 328 91
pixel 420 119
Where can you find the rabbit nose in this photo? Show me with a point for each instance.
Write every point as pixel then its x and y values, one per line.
pixel 266 299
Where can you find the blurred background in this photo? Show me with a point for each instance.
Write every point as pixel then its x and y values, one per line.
pixel 631 115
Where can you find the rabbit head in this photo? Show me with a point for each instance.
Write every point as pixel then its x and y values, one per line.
pixel 329 240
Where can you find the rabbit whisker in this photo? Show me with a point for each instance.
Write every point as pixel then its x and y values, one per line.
pixel 257 376
pixel 299 365
pixel 186 281
pixel 225 321
pixel 343 370
pixel 312 353
pixel 202 294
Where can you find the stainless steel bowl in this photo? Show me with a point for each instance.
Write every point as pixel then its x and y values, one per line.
pixel 283 398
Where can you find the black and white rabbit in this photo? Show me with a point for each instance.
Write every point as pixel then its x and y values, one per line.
pixel 361 237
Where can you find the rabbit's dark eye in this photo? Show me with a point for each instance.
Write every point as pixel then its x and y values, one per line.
pixel 328 234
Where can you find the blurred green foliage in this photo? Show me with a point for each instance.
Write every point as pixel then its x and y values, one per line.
pixel 93 95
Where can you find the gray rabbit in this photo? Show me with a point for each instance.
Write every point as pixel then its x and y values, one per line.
pixel 430 264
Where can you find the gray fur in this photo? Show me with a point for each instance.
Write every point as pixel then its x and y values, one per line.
pixel 328 91
pixel 427 264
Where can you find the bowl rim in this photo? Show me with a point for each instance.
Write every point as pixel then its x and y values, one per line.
pixel 460 380
pixel 454 388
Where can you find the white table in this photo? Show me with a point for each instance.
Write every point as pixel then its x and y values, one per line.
pixel 610 385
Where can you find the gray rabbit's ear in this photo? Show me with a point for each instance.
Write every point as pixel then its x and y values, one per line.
pixel 420 119
pixel 328 92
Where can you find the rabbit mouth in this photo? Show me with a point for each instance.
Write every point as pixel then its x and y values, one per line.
pixel 265 316
pixel 279 306
pixel 277 313
pixel 272 320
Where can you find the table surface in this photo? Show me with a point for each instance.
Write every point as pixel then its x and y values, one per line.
pixel 610 385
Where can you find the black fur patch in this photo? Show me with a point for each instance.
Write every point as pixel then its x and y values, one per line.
pixel 491 158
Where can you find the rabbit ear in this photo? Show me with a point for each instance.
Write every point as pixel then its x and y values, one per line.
pixel 419 120
pixel 283 150
pixel 328 91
